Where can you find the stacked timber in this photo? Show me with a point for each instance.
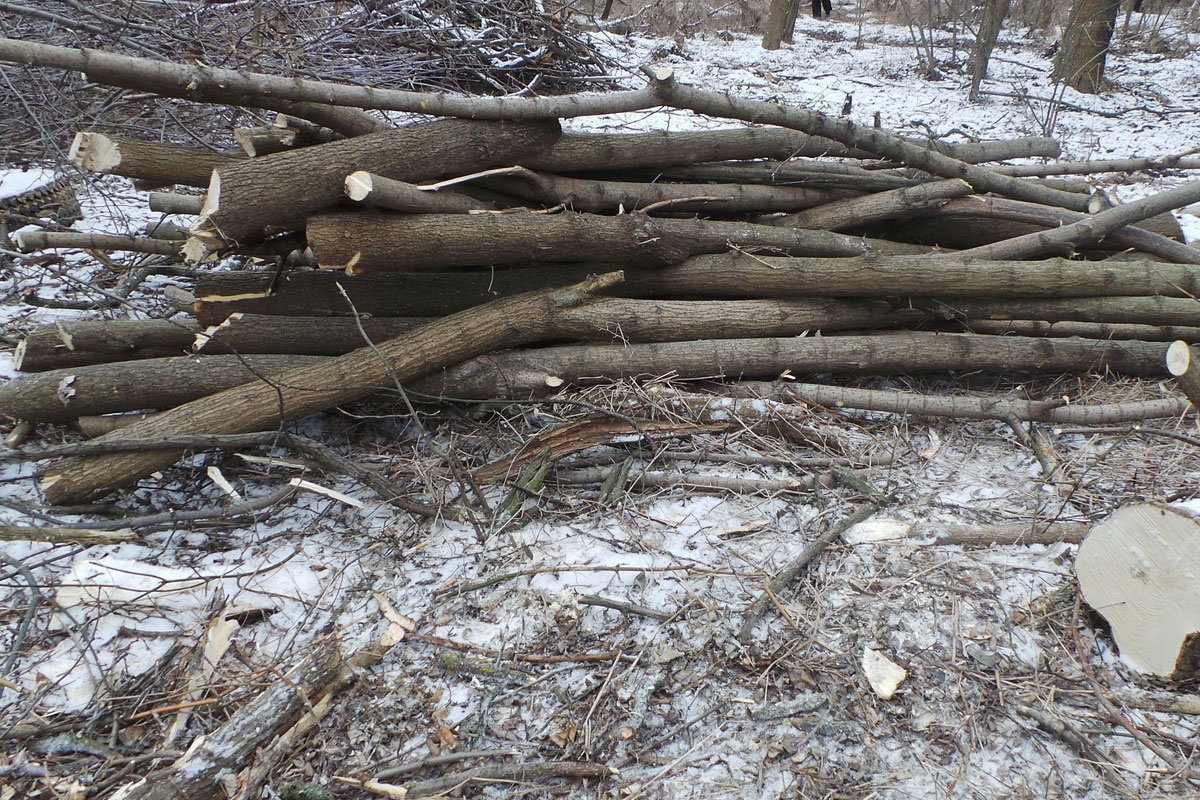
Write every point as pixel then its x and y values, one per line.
pixel 458 257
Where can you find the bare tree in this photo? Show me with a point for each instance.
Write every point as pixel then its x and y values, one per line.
pixel 985 41
pixel 1080 62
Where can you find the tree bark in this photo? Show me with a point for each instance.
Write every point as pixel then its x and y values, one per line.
pixel 169 203
pixel 994 13
pixel 1095 227
pixel 260 405
pixel 164 164
pixel 1157 311
pixel 1085 330
pixel 541 372
pixel 380 192
pixel 1080 61
pixel 775 27
pixel 362 242
pixel 31 241
pixel 897 203
pixel 257 90
pixel 605 197
pixel 61 395
pixel 1181 363
pixel 873 140
pixel 79 342
pixel 259 196
pixel 1097 166
pixel 264 140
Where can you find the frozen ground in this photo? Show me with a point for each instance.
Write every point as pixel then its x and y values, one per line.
pixel 512 656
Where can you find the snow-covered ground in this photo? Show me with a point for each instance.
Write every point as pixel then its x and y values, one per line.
pixel 511 651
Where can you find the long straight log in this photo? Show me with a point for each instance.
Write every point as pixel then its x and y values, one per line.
pixel 540 372
pixel 261 405
pixel 158 162
pixel 31 241
pixel 723 276
pixel 873 140
pixel 61 395
pixel 275 193
pixel 169 203
pixel 75 343
pixel 807 174
pixel 361 242
pixel 1156 163
pixel 1157 311
pixel 602 197
pixel 379 192
pixel 1086 330
pixel 851 212
pixel 258 90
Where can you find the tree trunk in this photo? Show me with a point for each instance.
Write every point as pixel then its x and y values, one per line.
pixel 259 196
pixel 775 27
pixel 264 140
pixel 855 211
pixel 164 164
pixel 1080 61
pixel 1156 311
pixel 380 192
pixel 994 13
pixel 61 395
pixel 1085 330
pixel 75 343
pixel 607 197
pixel 260 405
pixel 31 241
pixel 169 203
pixel 541 372
pixel 363 242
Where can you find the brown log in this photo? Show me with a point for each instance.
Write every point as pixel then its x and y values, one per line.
pixel 540 372
pixel 61 395
pixel 74 343
pixel 602 197
pixel 31 241
pixel 876 141
pixel 362 242
pixel 724 276
pixel 381 192
pixel 969 222
pixel 259 196
pixel 806 173
pixel 852 212
pixel 161 163
pixel 1091 167
pixel 1181 363
pixel 1086 330
pixel 263 140
pixel 309 133
pixel 260 405
pixel 1156 311
pixel 169 203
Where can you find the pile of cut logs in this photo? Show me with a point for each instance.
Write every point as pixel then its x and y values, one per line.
pixel 386 255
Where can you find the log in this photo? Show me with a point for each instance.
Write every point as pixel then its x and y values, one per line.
pixel 856 211
pixel 169 203
pixel 263 140
pixel 278 93
pixel 61 395
pixel 969 222
pixel 807 174
pixel 542 372
pixel 724 276
pixel 316 294
pixel 261 405
pixel 1091 167
pixel 249 200
pixel 158 162
pixel 1156 311
pixel 1138 570
pixel 1086 330
pixel 32 241
pixel 1096 227
pixel 872 140
pixel 380 192
pixel 74 343
pixel 1181 363
pixel 603 197
pixel 362 242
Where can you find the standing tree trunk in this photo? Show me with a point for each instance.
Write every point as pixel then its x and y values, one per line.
pixel 985 41
pixel 776 28
pixel 1080 62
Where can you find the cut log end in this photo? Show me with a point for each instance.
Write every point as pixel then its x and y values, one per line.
pixel 358 185
pixel 1179 358
pixel 1139 570
pixel 19 356
pixel 95 152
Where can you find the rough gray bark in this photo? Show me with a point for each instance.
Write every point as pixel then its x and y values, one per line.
pixel 855 211
pixel 1157 311
pixel 380 192
pixel 775 29
pixel 31 241
pixel 363 242
pixel 994 12
pixel 75 343
pixel 1080 60
pixel 1086 330
pixel 160 163
pixel 259 196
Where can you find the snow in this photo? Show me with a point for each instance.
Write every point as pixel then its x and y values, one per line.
pixel 794 714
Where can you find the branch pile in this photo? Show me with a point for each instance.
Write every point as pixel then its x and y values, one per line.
pixel 404 255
